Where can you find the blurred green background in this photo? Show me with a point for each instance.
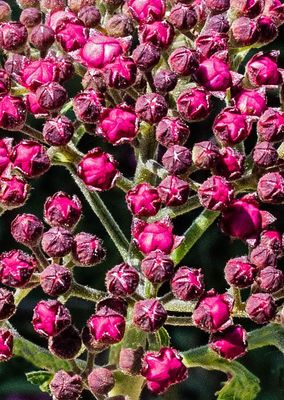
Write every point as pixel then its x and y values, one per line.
pixel 210 253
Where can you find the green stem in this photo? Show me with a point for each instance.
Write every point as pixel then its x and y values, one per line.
pixel 43 262
pixel 146 150
pixel 33 133
pixel 85 292
pixel 173 212
pixel 124 184
pixel 179 321
pixel 129 386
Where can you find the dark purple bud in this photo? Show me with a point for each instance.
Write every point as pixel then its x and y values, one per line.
pixel 90 16
pixel 63 210
pixel 5 82
pixel 58 131
pixel 16 268
pixel 188 283
pixel 177 160
pixel 244 32
pixel 143 200
pixel 88 106
pixel 149 315
pixel 15 64
pixel 121 73
pixel 264 154
pixel 55 280
pixel 216 193
pixel 230 164
pixel 130 360
pixel 87 250
pixel 146 56
pixel 30 17
pixel 13 113
pixel 5 11
pixel 267 29
pixel 208 44
pixel 173 191
pixel 172 131
pixel 30 158
pixel 116 304
pixel 217 24
pixel 7 304
pixel 65 344
pixel 248 8
pixel 101 381
pixel 275 10
pixel 77 5
pixel 273 240
pixel 51 96
pixel 194 104
pixel 239 272
pixel 13 36
pixel 270 188
pixel 184 61
pixel 27 229
pixel 262 256
pixel 205 154
pixel 183 17
pixel 120 25
pixel 122 280
pixel 151 107
pixel 57 242
pixel 217 6
pixel 231 343
pixel 94 79
pixel 165 81
pixel 270 125
pixel 261 308
pixel 6 344
pixel 157 267
pixel 13 192
pixel 50 317
pixel 66 386
pixel 270 279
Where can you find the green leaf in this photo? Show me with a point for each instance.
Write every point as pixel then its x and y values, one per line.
pixel 164 337
pixel 41 379
pixel 269 335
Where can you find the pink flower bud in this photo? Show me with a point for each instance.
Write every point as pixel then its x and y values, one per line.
pixel 130 360
pixel 160 33
pixel 205 154
pixel 42 37
pixel 39 72
pixel 208 44
pixel 273 240
pixel 88 106
pixel 244 32
pixel 66 344
pixel 151 107
pixel 270 188
pixel 216 193
pixel 59 17
pixel 173 191
pixel 7 304
pixel 6 344
pixel 214 74
pixel 267 29
pixel 149 315
pixel 50 5
pixel 121 73
pixel 72 36
pixel 147 10
pixel 187 283
pixel 183 17
pixel 262 256
pixel 30 17
pixel 62 209
pixel 262 69
pixel 101 381
pixel 217 6
pixel 231 343
pixel 14 64
pixel 217 24
pixel 146 56
pixel 64 65
pixel 194 104
pixel 122 280
pixel 250 102
pixel 51 96
pixel 13 192
pixel 13 113
pixel 5 11
pixel 27 229
pixel 163 369
pixel 55 280
pixel 165 81
pixel 275 10
pixel 90 16
pixel 157 267
pixel 270 279
pixel 34 108
pixel 230 164
pixel 30 158
pixel 98 170
pixel 143 200
pixel 239 272
pixel 172 131
pixel 13 36
pixel 57 242
pixel 213 312
pixel 16 268
pixel 261 308
pixel 177 160
pixel 58 131
pixel 87 250
pixel 5 154
pixel 249 8
pixel 265 155
pixel 184 61
pixel 50 317
pixel 270 125
pixel 5 82
pixel 66 386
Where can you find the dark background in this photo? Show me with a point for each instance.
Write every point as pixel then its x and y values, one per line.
pixel 210 253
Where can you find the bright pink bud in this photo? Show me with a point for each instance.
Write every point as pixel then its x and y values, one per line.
pixel 118 125
pixel 39 72
pixel 121 73
pixel 239 272
pixel 213 312
pixel 261 308
pixel 250 102
pixel 57 242
pixel 98 170
pixel 87 250
pixel 157 267
pixel 262 69
pixel 56 19
pixel 143 200
pixel 216 193
pixel 6 344
pixel 214 74
pixel 177 160
pixel 163 369
pixel 149 315
pixel 72 36
pixel 194 104
pixel 147 10
pixel 7 302
pixel 188 284
pixel 5 82
pixel 13 192
pixel 30 158
pixel 62 209
pixel 13 113
pixel 151 107
pixel 34 108
pixel 184 61
pixel 55 280
pixel 5 153
pixel 50 317
pixel 270 279
pixel 16 268
pixel 160 33
pixel 230 163
pixel 231 343
pixel 27 229
pixel 173 191
pixel 208 44
pixel 270 188
pixel 88 106
pixel 270 125
pixel 122 280
pixel 13 36
pixel 172 131
pixel 205 154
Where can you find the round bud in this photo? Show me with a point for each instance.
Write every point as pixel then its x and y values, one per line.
pixel 30 158
pixel 66 386
pixel 149 315
pixel 151 107
pixel 27 229
pixel 143 200
pixel 13 192
pixel 194 104
pixel 65 344
pixel 165 81
pixel 205 154
pixel 55 280
pixel 122 280
pixel 172 131
pixel 77 5
pixel 119 25
pixel 188 283
pixel 7 304
pixel 90 16
pixel 261 308
pixel 121 73
pixel 217 6
pixel 88 106
pixel 51 96
pixel 101 381
pixel 42 37
pixel 13 113
pixel 183 61
pixel 244 32
pixel 231 343
pixel 28 3
pixel 94 79
pixel 270 188
pixel 173 191
pixel 5 11
pixel 270 279
pixel 50 317
pixel 157 267
pixel 13 36
pixel 30 17
pixel 57 242
pixel 146 56
pixel 130 360
pixel 63 210
pixel 16 268
pixel 183 17
pixel 262 256
pixel 216 193
pixel 177 160
pixel 239 272
pixel 264 154
pixel 58 131
pixel 87 250
pixel 230 163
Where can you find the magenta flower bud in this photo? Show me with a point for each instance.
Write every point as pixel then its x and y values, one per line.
pixel 5 154
pixel 248 8
pixel 214 74
pixel 217 23
pixel 160 33
pixel 173 191
pixel 261 308
pixel 172 131
pixel 275 10
pixel 231 127
pixel 7 304
pixel 165 81
pixel 13 36
pixel 37 73
pixel 270 188
pixel 239 272
pixel 216 193
pixel 66 344
pixel 154 236
pixel 262 256
pixel 143 200
pixel 90 16
pixel 58 131
pixel 231 343
pixel 270 279
pixel 250 102
pixel 34 108
pixel 30 158
pixel 146 56
pixel 88 106
pixel 262 69
pixel 57 242
pixel 16 268
pixel 267 28
pixel 118 125
pixel 151 107
pixel 101 381
pixel 273 240
pixel 27 229
pixel 244 32
pixel 149 315
pixel 208 44
pixel 55 280
pixel 5 82
pixel 72 36
pixel 122 280
pixel 194 104
pixel 121 73
pixel 64 64
pixel 130 360
pixel 14 64
pixel 62 209
pixel 13 113
pixel 119 25
pixel 50 5
pixel 13 192
pixel 147 10
pixel 6 344
pixel 42 37
pixel 87 250
pixel 177 160
pixel 58 18
pixel 213 312
pixel 205 154
pixel 106 326
pixel 270 125
pixel 231 163
pixel 218 6
pixel 184 61
pixel 188 283
pixel 51 96
pixel 30 17
pixel 98 170
pixel 66 386
pixel 50 317
pixel 5 11
pixel 183 17
pixel 157 267
pixel 117 304
pixel 163 369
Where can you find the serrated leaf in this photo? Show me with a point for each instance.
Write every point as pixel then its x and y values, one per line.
pixel 41 379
